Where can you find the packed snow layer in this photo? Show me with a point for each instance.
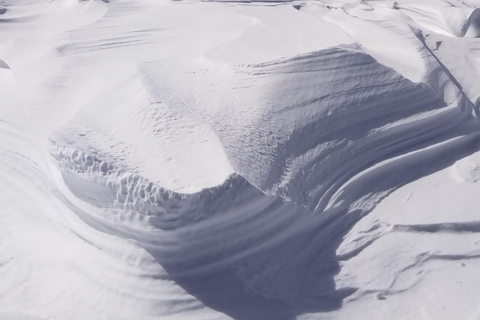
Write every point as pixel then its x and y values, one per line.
pixel 233 160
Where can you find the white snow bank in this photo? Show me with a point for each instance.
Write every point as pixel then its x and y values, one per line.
pixel 238 160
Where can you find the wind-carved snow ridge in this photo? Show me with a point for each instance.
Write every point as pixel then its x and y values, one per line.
pixel 334 133
pixel 328 116
pixel 134 198
pixel 193 160
pixel 199 246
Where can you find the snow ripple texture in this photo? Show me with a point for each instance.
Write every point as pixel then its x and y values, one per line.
pixel 155 168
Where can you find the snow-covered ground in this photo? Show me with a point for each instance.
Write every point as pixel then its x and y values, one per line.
pixel 271 160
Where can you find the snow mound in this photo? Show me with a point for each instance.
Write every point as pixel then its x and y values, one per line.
pixel 310 161
pixel 209 160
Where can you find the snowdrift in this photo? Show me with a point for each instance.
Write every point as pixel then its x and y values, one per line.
pixel 152 171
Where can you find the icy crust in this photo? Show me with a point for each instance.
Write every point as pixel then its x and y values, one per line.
pixel 133 197
pixel 70 159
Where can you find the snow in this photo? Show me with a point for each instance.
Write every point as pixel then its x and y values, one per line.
pixel 239 160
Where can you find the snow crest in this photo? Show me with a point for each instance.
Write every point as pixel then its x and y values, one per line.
pixel 199 160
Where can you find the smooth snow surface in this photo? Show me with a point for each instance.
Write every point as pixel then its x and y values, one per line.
pixel 270 160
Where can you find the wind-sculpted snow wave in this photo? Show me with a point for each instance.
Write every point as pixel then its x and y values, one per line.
pixel 335 134
pixel 253 160
pixel 224 237
pixel 328 116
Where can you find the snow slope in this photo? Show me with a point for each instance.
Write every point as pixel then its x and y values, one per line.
pixel 239 160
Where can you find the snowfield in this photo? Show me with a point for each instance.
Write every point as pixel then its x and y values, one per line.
pixel 247 160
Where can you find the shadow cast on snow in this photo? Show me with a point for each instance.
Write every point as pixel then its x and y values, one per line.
pixel 260 257
pixel 306 260
pixel 224 291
